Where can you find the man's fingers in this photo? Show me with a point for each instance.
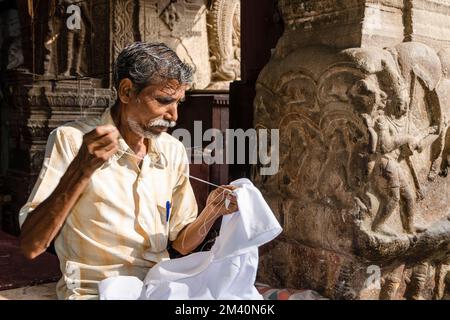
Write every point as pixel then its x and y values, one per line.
pixel 112 151
pixel 112 146
pixel 100 131
pixel 102 142
pixel 233 203
pixel 105 152
pixel 230 203
pixel 218 195
pixel 232 207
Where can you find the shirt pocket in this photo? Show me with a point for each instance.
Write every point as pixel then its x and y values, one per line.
pixel 160 235
pixel 162 212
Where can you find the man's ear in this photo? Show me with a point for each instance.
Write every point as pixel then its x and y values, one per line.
pixel 124 91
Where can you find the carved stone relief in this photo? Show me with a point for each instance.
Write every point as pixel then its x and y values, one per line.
pixel 182 26
pixel 122 25
pixel 65 41
pixel 148 19
pixel 363 159
pixel 442 281
pixel 224 32
pixel 10 40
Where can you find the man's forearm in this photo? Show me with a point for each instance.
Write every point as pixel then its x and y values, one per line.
pixel 44 222
pixel 193 235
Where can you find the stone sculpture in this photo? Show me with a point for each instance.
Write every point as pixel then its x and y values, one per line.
pixel 75 36
pixel 363 139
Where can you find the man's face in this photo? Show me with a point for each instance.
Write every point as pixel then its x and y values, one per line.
pixel 154 109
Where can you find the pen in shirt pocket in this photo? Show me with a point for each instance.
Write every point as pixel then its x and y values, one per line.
pixel 167 211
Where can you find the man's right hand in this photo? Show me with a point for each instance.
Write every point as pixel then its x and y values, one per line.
pixel 45 221
pixel 98 146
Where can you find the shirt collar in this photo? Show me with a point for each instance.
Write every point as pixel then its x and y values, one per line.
pixel 157 157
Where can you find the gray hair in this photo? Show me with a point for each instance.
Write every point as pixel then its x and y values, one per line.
pixel 147 63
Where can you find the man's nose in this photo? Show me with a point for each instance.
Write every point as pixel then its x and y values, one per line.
pixel 172 112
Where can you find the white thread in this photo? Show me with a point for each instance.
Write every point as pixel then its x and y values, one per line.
pixel 185 174
pixel 202 230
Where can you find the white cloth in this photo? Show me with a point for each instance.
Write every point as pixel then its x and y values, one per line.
pixel 120 288
pixel 227 271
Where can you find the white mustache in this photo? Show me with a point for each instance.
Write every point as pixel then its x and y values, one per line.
pixel 162 123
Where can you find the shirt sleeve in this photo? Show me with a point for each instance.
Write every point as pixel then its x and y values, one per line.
pixel 184 208
pixel 59 154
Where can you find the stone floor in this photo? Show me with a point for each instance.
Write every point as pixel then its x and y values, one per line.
pixel 40 292
pixel 22 279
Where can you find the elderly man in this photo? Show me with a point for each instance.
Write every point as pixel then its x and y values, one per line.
pixel 114 190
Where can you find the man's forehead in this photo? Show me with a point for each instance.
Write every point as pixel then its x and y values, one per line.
pixel 174 90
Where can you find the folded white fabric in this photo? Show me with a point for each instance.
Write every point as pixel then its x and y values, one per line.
pixel 227 271
pixel 120 288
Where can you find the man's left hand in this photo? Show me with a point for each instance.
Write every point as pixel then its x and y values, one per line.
pixel 217 198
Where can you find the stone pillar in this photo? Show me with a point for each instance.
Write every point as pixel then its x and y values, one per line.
pixel 363 115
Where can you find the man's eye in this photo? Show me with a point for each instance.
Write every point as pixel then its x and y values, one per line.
pixel 165 101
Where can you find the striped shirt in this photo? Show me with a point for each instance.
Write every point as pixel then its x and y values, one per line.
pixel 119 225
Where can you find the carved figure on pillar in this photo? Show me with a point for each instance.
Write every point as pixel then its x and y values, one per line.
pixel 391 182
pixel 76 38
pixel 69 18
pixel 361 130
pixel 386 105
